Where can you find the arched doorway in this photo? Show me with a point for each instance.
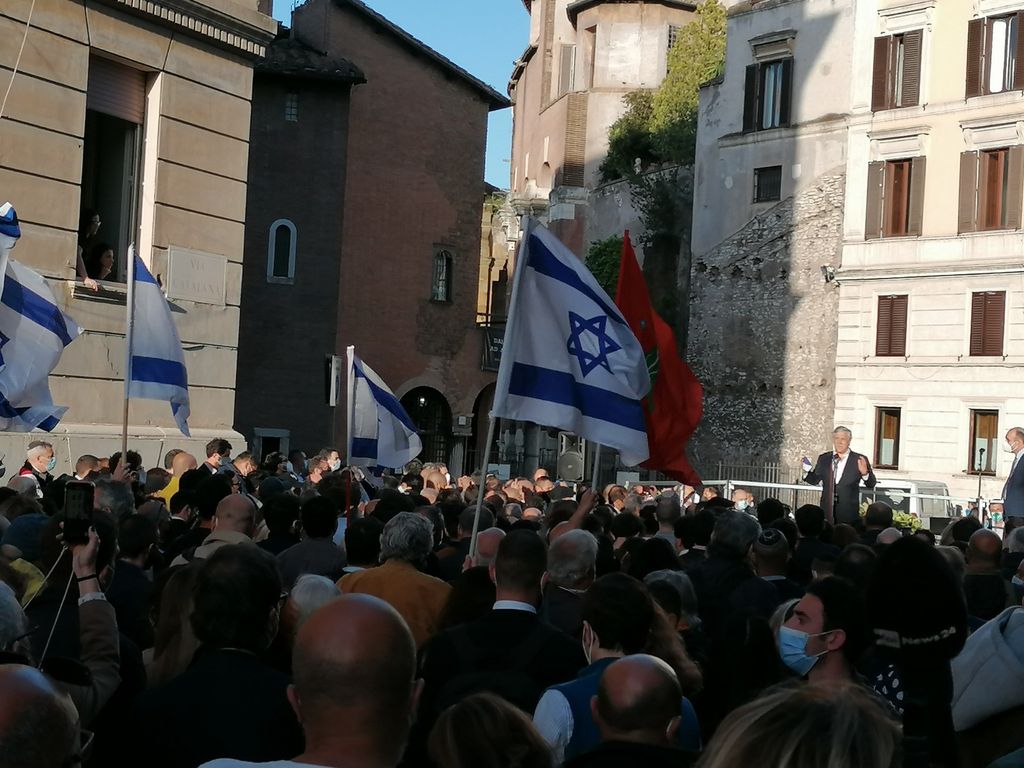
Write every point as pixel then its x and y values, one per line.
pixel 481 415
pixel 433 418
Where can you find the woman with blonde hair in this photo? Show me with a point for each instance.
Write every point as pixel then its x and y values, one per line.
pixel 807 726
pixel 485 731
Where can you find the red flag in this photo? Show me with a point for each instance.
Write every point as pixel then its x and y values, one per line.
pixel 676 401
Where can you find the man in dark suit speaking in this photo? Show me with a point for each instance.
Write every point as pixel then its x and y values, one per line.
pixel 1013 490
pixel 841 472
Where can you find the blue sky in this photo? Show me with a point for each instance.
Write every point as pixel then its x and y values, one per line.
pixel 484 37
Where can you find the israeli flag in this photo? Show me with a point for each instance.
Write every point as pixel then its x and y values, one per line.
pixel 156 362
pixel 380 432
pixel 33 334
pixel 569 359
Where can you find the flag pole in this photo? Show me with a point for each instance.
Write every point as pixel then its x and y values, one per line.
pixel 129 325
pixel 504 373
pixel 350 403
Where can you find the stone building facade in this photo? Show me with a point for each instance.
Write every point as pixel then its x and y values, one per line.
pixel 139 111
pixel 408 239
pixel 767 233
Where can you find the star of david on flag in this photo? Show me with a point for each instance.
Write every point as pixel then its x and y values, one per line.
pixel 570 359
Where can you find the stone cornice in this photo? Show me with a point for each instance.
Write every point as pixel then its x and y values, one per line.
pixel 220 22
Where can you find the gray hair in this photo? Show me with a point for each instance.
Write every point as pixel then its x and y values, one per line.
pixel 1015 541
pixel 13 622
pixel 25 485
pixel 310 593
pixel 38 448
pixel 514 510
pixel 114 497
pixel 407 536
pixel 632 503
pixel 681 583
pixel 734 534
pixel 844 430
pixel 572 558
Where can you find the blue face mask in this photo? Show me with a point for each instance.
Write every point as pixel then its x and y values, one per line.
pixel 51 464
pixel 793 650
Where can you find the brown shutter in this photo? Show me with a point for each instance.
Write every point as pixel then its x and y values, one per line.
pixel 911 69
pixel 116 90
pixel 883 333
pixel 750 99
pixel 917 182
pixel 968 216
pixel 995 315
pixel 1018 72
pixel 898 332
pixel 1015 187
pixel 977 324
pixel 786 107
pixel 566 68
pixel 975 57
pixel 880 74
pixel 873 222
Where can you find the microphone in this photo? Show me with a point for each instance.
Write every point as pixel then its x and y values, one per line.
pixel 919 619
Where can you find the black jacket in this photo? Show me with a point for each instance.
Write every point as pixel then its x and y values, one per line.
pixel 847 487
pixel 625 754
pixel 131 594
pixel 227 704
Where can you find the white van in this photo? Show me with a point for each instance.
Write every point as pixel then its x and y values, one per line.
pixel 896 493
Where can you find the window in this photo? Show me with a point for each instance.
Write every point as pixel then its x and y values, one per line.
pixel 988 312
pixel 291 107
pixel 567 69
pixel 896 78
pixel 267 441
pixel 768 184
pixel 895 198
pixel 441 285
pixel 891 334
pixel 768 94
pixel 673 36
pixel 991 189
pixel 281 252
pixel 994 47
pixel 887 438
pixel 111 163
pixel 984 436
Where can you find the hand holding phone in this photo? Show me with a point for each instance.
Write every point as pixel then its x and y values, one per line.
pixel 78 507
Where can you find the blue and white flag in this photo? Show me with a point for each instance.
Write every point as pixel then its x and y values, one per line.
pixel 380 432
pixel 33 334
pixel 156 367
pixel 569 359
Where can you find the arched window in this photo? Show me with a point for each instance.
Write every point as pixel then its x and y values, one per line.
pixel 441 285
pixel 281 252
pixel 432 416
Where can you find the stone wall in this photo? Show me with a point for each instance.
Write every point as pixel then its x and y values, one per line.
pixel 762 334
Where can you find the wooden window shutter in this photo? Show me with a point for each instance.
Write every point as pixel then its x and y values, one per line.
pixel 566 68
pixel 968 216
pixel 975 57
pixel 1018 72
pixel 750 99
pixel 880 74
pixel 995 316
pixel 898 328
pixel 876 180
pixel 911 68
pixel 977 324
pixel 116 90
pixel 1015 187
pixel 916 214
pixel 786 105
pixel 883 334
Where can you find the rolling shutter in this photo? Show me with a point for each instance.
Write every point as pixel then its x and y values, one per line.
pixel 116 90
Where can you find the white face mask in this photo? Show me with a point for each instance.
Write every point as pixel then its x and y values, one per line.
pixel 288 467
pixel 335 465
pixel 1008 447
pixel 447 478
pixel 742 504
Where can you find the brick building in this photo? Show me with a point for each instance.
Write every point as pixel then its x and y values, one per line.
pixel 407 202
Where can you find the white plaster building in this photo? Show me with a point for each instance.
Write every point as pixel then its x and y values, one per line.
pixel 931 308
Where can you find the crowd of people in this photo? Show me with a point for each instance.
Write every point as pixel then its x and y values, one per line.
pixel 229 610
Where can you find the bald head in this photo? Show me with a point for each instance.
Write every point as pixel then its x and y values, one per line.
pixel 436 480
pixel 235 512
pixel 354 662
pixel 487 545
pixel 182 463
pixel 892 535
pixel 638 699
pixel 984 550
pixel 38 725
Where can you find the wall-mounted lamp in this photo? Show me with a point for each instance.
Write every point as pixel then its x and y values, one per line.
pixel 828 272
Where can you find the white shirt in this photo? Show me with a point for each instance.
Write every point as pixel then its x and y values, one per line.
pixel 553 720
pixel 514 605
pixel 841 468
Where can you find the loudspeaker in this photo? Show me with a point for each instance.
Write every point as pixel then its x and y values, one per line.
pixel 571 450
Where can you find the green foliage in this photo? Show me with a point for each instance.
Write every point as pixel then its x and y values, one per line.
pixel 660 126
pixel 603 260
pixel 697 57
